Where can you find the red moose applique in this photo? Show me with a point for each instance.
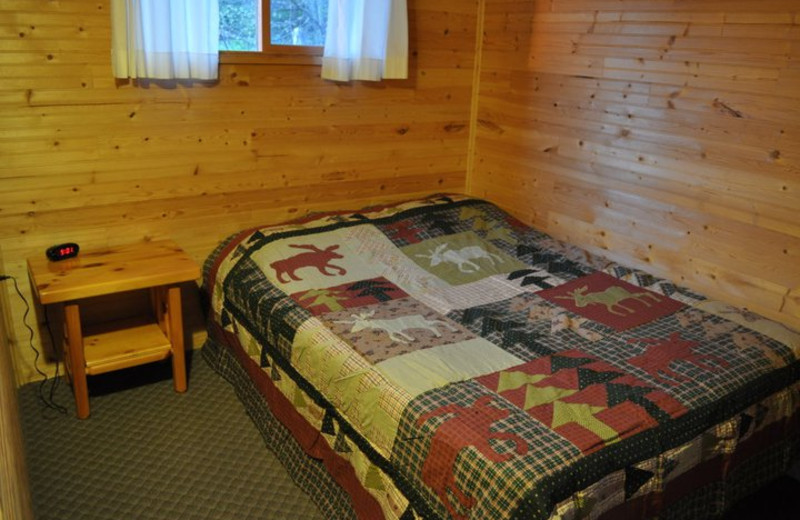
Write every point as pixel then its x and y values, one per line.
pixel 469 426
pixel 315 257
pixel 661 353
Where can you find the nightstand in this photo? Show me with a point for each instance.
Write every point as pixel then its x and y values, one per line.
pixel 159 266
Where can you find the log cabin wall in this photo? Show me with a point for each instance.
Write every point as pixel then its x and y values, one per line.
pixel 100 162
pixel 663 134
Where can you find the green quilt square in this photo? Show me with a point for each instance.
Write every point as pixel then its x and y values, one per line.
pixel 461 258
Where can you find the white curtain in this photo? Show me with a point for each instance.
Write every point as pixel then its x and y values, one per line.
pixel 165 39
pixel 366 40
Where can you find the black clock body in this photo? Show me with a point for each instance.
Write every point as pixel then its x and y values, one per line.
pixel 62 251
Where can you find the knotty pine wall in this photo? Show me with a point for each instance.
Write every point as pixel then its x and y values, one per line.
pixel 664 134
pixel 100 162
pixel 661 133
pixel 15 498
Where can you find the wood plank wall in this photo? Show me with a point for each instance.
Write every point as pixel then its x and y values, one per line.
pixel 662 133
pixel 100 162
pixel 15 498
pixel 666 131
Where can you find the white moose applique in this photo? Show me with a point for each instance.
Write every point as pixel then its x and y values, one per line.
pixel 461 257
pixel 396 327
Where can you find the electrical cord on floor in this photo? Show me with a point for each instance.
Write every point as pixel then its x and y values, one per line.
pixel 56 375
pixel 48 401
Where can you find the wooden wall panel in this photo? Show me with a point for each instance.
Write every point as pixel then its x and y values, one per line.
pixel 663 134
pixel 101 162
pixel 15 498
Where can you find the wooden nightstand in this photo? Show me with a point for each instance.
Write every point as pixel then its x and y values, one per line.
pixel 159 266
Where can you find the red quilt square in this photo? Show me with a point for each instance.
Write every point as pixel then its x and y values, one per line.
pixel 610 301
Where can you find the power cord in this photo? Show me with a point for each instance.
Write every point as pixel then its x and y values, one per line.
pixel 48 401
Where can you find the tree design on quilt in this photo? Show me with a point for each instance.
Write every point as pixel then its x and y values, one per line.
pixel 348 296
pixel 586 400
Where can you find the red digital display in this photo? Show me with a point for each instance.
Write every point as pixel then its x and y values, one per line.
pixel 62 251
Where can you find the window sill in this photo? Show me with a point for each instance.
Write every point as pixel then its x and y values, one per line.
pixel 298 57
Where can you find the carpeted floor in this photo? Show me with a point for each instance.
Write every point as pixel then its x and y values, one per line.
pixel 149 453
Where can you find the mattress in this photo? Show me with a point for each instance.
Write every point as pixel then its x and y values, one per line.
pixel 443 360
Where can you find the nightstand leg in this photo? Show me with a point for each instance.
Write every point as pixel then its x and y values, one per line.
pixel 77 362
pixel 175 319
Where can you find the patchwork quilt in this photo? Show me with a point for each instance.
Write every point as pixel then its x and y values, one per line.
pixel 464 365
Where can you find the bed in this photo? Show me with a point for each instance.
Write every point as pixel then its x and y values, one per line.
pixel 436 358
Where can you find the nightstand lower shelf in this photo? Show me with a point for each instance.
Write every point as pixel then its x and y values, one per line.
pixel 123 344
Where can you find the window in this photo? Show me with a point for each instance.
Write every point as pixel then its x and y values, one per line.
pixel 257 30
pixel 239 25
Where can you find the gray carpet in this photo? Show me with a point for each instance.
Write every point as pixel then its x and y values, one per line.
pixel 147 452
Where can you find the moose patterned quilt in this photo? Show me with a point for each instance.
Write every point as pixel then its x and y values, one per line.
pixel 452 362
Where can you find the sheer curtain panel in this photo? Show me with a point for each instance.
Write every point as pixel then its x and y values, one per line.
pixel 366 40
pixel 165 39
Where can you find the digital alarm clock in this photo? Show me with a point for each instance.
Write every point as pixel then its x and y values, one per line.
pixel 62 251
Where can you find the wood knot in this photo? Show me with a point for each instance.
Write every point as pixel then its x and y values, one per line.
pixel 726 108
pixel 490 125
pixel 454 127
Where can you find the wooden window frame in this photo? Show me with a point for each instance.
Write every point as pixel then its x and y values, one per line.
pixel 269 53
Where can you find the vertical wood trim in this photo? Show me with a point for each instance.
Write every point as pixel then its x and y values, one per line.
pixel 15 499
pixel 264 25
pixel 476 84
